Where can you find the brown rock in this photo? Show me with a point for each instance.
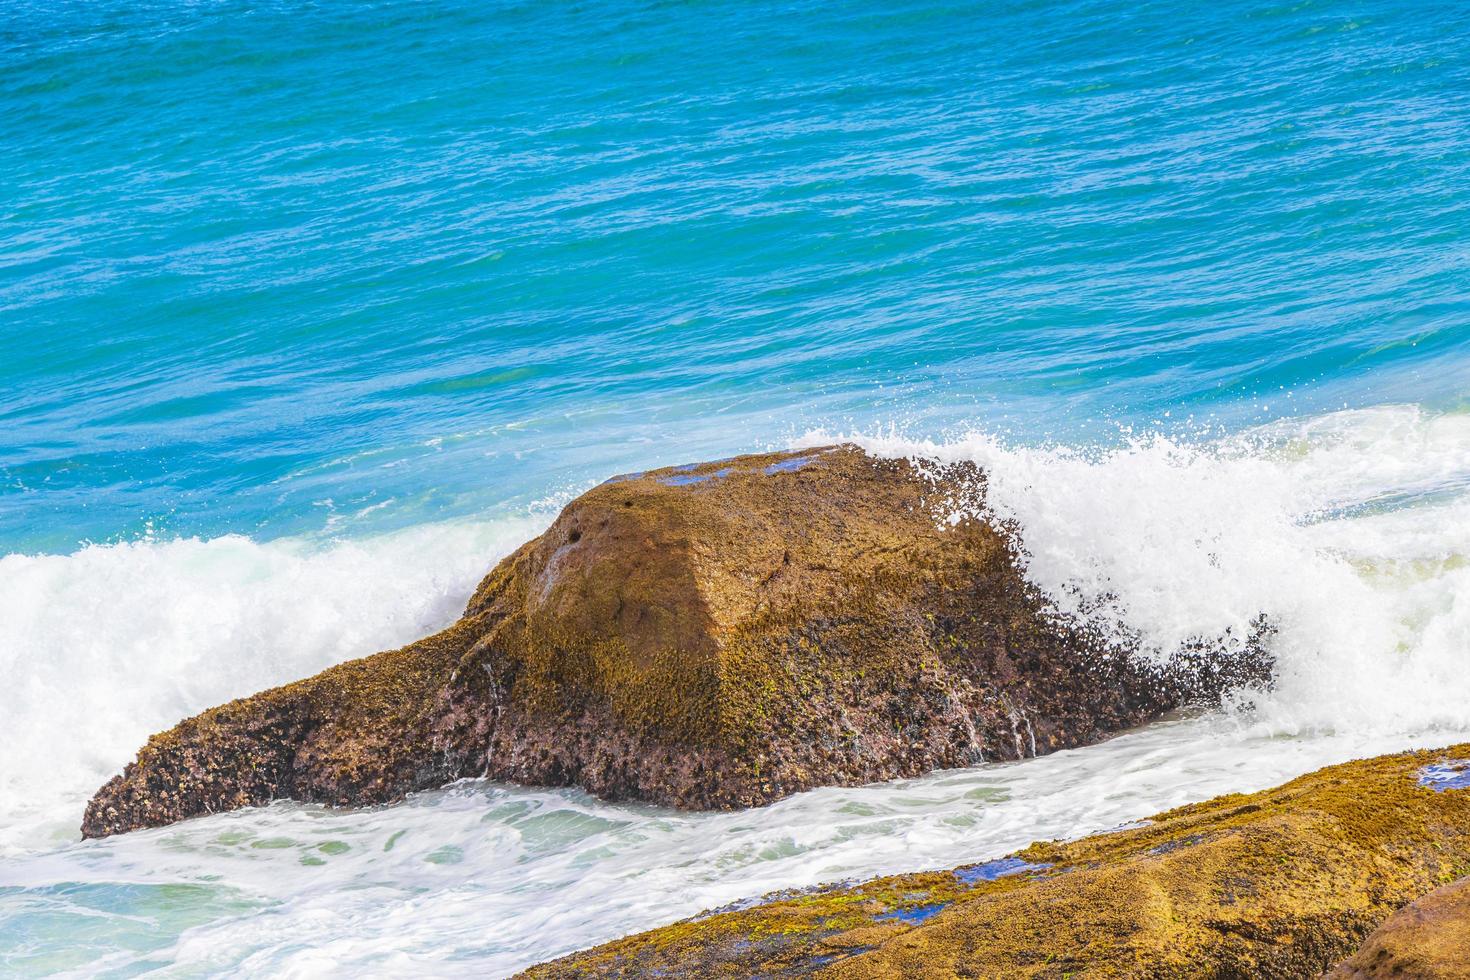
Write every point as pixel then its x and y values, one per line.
pixel 1426 940
pixel 711 636
pixel 1275 885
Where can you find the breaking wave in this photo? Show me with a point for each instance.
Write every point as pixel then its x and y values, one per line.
pixel 104 647
pixel 1350 532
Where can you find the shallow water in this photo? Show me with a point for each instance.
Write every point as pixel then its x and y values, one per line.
pixel 1351 530
pixel 312 311
pixel 481 878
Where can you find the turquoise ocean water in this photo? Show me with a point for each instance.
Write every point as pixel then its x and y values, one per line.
pixel 268 262
pixel 310 311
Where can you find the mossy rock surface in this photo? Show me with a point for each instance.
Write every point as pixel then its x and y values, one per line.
pixel 706 636
pixel 1278 884
pixel 1427 940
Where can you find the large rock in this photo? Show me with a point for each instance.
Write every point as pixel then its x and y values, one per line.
pixel 1278 884
pixel 706 636
pixel 1427 940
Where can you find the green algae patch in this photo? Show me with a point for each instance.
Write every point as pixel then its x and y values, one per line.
pixel 1278 884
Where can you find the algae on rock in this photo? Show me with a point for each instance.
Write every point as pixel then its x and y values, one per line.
pixel 1426 940
pixel 1277 884
pixel 704 636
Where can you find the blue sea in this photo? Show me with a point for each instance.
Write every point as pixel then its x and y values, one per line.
pixel 313 310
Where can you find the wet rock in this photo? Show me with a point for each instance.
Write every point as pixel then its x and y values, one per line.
pixel 1427 940
pixel 706 636
pixel 1277 884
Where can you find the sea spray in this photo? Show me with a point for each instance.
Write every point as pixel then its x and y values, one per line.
pixel 1349 533
pixel 106 646
pixel 1351 530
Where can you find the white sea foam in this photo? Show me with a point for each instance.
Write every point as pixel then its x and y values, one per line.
pixel 481 880
pixel 103 647
pixel 1351 531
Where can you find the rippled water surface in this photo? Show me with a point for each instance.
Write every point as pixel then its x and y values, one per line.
pixel 311 311
pixel 270 263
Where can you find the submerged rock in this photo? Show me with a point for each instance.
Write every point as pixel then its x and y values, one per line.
pixel 1277 884
pixel 1427 940
pixel 705 636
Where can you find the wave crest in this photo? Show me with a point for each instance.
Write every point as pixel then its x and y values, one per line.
pixel 1350 532
pixel 103 647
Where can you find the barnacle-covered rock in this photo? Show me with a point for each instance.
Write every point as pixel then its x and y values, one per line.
pixel 705 636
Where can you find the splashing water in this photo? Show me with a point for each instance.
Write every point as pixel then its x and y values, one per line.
pixel 286 268
pixel 106 646
pixel 1351 530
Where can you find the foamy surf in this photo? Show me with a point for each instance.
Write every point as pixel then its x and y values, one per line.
pixel 1350 531
pixel 482 879
pixel 104 647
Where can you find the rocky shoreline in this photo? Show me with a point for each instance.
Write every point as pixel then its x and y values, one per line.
pixel 1283 883
pixel 725 634
pixel 708 636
